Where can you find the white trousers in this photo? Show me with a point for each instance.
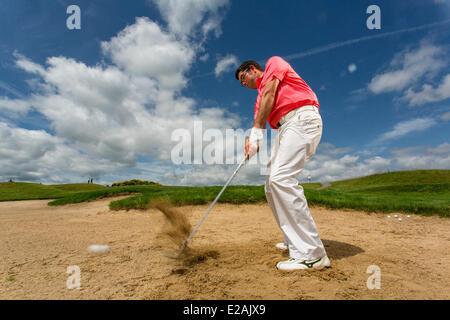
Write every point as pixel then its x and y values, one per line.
pixel 294 145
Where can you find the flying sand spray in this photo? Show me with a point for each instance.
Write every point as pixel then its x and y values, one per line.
pixel 207 211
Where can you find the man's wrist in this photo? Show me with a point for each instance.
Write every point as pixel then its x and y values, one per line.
pixel 256 135
pixel 259 126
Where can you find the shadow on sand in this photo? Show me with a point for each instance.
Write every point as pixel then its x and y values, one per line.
pixel 338 250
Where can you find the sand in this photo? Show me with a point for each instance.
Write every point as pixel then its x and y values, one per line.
pixel 233 254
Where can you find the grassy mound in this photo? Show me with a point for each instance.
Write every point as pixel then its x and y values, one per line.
pixel 10 191
pixel 419 191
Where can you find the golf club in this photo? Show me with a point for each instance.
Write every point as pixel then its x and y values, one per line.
pixel 210 207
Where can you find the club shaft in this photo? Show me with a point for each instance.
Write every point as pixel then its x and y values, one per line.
pixel 210 207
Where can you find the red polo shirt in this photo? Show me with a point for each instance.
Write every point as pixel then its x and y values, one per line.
pixel 292 93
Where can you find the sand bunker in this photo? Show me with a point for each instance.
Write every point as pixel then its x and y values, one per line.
pixel 234 254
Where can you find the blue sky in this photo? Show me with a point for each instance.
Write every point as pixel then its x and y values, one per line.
pixel 105 100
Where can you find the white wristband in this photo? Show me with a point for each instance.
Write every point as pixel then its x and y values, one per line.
pixel 256 136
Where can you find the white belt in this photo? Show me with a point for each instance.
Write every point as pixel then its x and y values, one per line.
pixel 294 112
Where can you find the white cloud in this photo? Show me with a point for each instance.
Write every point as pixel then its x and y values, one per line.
pixel 204 57
pixel 143 49
pixel 428 93
pixel 327 167
pixel 35 155
pixel 227 63
pixel 20 144
pixel 405 127
pixel 116 115
pixel 28 65
pixel 333 164
pixel 185 16
pixel 409 67
pixel 329 164
pixel 423 157
pixel 14 106
pixel 217 175
pixel 105 116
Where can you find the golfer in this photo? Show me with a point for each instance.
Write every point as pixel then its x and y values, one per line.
pixel 291 107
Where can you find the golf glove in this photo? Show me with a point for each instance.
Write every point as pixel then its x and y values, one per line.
pixel 254 140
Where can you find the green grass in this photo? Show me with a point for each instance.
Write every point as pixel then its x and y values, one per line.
pixel 10 191
pixel 176 195
pixel 78 187
pixel 421 191
pixel 313 185
pixel 424 192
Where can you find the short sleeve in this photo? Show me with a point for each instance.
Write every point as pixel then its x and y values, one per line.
pixel 276 67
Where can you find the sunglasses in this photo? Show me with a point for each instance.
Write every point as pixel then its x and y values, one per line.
pixel 242 77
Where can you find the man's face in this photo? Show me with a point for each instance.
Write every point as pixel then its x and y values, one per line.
pixel 248 77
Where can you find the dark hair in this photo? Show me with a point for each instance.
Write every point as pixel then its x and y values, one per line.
pixel 245 65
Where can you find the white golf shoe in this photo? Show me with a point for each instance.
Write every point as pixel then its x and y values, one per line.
pixel 282 246
pixel 301 264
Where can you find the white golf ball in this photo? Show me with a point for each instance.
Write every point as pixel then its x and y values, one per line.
pixel 408 217
pixel 97 248
pixel 389 217
pixel 395 215
pixel 399 219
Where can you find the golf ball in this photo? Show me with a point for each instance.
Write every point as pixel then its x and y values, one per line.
pixel 399 219
pixel 395 215
pixel 96 248
pixel 389 217
pixel 408 217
